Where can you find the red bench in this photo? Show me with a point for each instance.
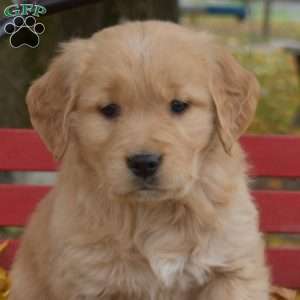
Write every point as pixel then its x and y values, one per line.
pixel 271 156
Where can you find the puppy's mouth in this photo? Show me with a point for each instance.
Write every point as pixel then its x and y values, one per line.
pixel 148 184
pixel 147 188
pixel 148 193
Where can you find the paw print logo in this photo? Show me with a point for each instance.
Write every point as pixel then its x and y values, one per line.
pixel 24 32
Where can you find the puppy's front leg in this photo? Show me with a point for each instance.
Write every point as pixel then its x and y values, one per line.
pixel 26 287
pixel 228 288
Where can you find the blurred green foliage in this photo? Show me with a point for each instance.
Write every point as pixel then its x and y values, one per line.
pixel 10 233
pixel 280 91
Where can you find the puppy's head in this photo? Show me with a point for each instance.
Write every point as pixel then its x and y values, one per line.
pixel 140 105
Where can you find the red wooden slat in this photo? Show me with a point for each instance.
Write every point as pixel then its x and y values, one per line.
pixel 23 150
pixel 17 202
pixel 284 264
pixel 285 267
pixel 273 155
pixel 279 211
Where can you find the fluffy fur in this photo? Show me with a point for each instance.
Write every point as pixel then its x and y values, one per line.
pixel 97 235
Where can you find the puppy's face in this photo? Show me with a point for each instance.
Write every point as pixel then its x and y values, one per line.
pixel 141 103
pixel 144 116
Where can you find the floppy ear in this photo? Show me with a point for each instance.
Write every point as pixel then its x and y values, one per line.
pixel 51 98
pixel 235 93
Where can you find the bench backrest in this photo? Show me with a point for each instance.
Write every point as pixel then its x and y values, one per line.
pixel 271 156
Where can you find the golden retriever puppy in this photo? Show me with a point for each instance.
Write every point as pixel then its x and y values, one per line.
pixel 151 202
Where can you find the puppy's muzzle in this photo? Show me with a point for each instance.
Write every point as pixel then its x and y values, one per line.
pixel 144 165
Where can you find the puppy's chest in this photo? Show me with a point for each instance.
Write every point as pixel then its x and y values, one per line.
pixel 105 269
pixel 181 272
pixel 99 270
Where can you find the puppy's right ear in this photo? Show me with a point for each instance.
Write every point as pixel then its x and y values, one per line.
pixel 51 98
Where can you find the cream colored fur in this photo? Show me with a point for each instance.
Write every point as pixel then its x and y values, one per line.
pixel 96 235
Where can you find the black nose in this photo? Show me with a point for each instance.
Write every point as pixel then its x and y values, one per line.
pixel 144 165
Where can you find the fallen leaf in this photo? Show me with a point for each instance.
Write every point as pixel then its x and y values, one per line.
pixel 279 293
pixel 4 284
pixel 4 280
pixel 3 245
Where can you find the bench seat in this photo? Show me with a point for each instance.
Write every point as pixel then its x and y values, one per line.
pixel 270 156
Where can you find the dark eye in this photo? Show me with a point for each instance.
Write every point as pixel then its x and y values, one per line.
pixel 178 106
pixel 111 111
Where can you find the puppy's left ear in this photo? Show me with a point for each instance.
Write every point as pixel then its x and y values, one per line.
pixel 235 93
